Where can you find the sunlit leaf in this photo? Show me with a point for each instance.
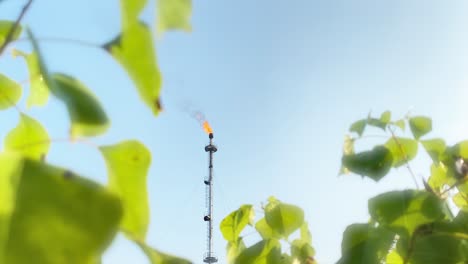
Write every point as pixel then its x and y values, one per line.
pixel 233 224
pixel 435 148
pixel 404 211
pixel 127 164
pixel 131 10
pixel 44 72
pixel 394 258
pixel 39 92
pixel 28 138
pixel 52 216
pixel 420 126
pixel 263 252
pixel 305 233
pixel 438 176
pixel 265 231
pixel 134 50
pixel 302 251
pixel 363 243
pixel 358 126
pixel 157 257
pixel 5 27
pixel 234 249
pixel 10 92
pixel 401 124
pixel 461 201
pixel 86 114
pixel 283 218
pixel 385 117
pixel 374 164
pixel 402 149
pixel 460 149
pixel 376 123
pixel 173 15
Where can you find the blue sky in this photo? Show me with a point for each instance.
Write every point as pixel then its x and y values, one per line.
pixel 280 81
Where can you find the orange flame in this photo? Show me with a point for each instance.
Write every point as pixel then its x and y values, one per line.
pixel 207 127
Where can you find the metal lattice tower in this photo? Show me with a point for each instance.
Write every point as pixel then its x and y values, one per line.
pixel 209 256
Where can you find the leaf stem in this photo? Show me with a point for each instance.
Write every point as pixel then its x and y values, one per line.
pixel 11 33
pixel 404 155
pixel 77 42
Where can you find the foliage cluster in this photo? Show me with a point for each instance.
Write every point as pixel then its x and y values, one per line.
pixel 51 215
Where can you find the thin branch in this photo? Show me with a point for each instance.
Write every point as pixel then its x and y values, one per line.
pixel 459 182
pixel 77 42
pixel 11 33
pixel 405 157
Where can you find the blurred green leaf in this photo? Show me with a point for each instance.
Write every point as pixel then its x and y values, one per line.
pixel 234 249
pixel 358 126
pixel 438 176
pixel 134 50
pixel 283 218
pixel 157 257
pixel 376 123
pixel 39 92
pixel 233 224
pixel 460 149
pixel 127 164
pixel 386 117
pixel 173 15
pixel 402 149
pixel 305 233
pixel 461 201
pixel 131 10
pixel 10 92
pixel 44 72
pixel 265 231
pixel 420 126
pixel 302 251
pixel 86 114
pixel 374 164
pixel 52 216
pixel 28 138
pixel 5 27
pixel 435 148
pixel 404 211
pixel 363 243
pixel 263 252
pixel 401 124
pixel 394 258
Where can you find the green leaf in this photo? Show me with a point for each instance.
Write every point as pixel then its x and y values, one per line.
pixel 420 126
pixel 363 243
pixel 265 231
pixel 86 114
pixel 157 257
pixel 174 15
pixel 438 249
pixel 386 117
pixel 460 149
pixel 402 149
pixel 435 148
pixel 302 251
pixel 39 92
pixel 438 176
pixel 5 27
pixel 376 123
pixel 401 124
pixel 404 211
pixel 461 201
pixel 263 252
pixel 131 10
pixel 234 249
pixel 28 138
pixel 283 218
pixel 233 224
pixel 127 164
pixel 10 92
pixel 358 126
pixel 374 164
pixel 394 258
pixel 44 72
pixel 305 233
pixel 52 216
pixel 134 50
